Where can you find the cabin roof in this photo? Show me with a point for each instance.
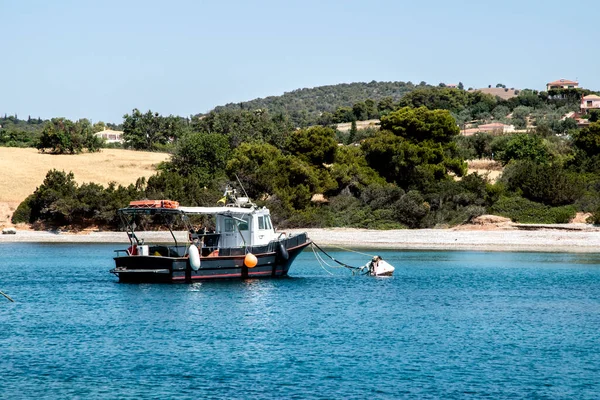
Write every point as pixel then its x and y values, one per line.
pixel 195 210
pixel 217 210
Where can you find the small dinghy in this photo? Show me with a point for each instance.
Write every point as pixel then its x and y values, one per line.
pixel 378 267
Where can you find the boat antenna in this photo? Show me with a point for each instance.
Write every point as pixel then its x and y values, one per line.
pixel 242 186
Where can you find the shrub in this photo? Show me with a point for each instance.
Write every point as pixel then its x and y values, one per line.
pixel 548 184
pixel 526 211
pixel 23 212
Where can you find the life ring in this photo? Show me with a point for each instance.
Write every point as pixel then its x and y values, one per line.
pixel 194 257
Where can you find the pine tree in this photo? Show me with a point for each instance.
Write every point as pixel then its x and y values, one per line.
pixel 352 134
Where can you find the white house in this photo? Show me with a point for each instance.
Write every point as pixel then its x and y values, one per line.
pixel 562 84
pixel 589 102
pixel 111 136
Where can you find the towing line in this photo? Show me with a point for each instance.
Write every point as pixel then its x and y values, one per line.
pixel 376 267
pixel 364 270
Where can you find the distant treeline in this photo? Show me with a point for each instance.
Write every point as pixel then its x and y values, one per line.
pixel 305 107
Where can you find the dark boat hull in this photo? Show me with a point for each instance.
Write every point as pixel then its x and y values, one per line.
pixel 161 269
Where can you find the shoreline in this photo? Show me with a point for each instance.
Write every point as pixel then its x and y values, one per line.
pixel 546 239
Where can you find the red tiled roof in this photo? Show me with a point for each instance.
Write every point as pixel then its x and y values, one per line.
pixel 563 82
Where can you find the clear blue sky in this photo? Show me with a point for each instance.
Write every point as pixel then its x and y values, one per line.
pixel 101 59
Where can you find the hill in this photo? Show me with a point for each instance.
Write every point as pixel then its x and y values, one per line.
pixel 309 103
pixel 23 170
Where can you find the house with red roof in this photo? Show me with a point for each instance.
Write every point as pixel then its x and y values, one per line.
pixel 590 102
pixel 562 84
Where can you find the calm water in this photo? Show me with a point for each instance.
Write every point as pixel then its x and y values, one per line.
pixel 448 325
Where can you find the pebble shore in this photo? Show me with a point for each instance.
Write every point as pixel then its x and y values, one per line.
pixel 583 240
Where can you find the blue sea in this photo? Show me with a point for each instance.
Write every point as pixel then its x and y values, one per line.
pixel 448 325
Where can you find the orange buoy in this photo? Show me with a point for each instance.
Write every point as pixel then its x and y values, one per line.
pixel 250 260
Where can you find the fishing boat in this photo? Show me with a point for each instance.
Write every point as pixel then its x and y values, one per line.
pixel 240 242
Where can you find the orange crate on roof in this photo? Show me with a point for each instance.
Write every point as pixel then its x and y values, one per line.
pixel 154 204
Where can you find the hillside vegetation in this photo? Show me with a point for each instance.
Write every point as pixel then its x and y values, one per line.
pixel 408 172
pixel 305 106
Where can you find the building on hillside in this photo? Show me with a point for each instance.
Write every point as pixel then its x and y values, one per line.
pixel 452 85
pixel 111 136
pixel 562 84
pixel 503 93
pixel 494 128
pixel 590 102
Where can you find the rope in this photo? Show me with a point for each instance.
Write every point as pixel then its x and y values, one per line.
pixel 320 258
pixel 319 261
pixel 334 260
pixel 7 296
pixel 354 251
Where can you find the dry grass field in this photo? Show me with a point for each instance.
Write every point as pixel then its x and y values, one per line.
pixel 491 169
pixel 371 123
pixel 22 170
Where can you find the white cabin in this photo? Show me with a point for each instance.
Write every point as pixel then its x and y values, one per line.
pixel 239 226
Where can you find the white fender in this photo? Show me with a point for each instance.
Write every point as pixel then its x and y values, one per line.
pixel 194 257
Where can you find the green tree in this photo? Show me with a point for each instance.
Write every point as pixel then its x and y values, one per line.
pixel 150 131
pixel 360 111
pixel 415 147
pixel 525 147
pixel 352 134
pixel 385 105
pixel 351 172
pixel 246 126
pixel 420 124
pixel 316 145
pixel 54 200
pixel 203 155
pixel 266 172
pixel 500 112
pixel 544 183
pixel 63 136
pixel 344 114
pixel 588 139
pixel 519 116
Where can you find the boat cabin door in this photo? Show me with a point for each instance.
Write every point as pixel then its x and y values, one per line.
pixel 232 229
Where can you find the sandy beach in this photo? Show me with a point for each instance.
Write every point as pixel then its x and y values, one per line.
pixel 577 238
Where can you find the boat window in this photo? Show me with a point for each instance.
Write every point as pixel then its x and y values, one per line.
pixel 243 226
pixel 228 225
pixel 268 222
pixel 261 222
